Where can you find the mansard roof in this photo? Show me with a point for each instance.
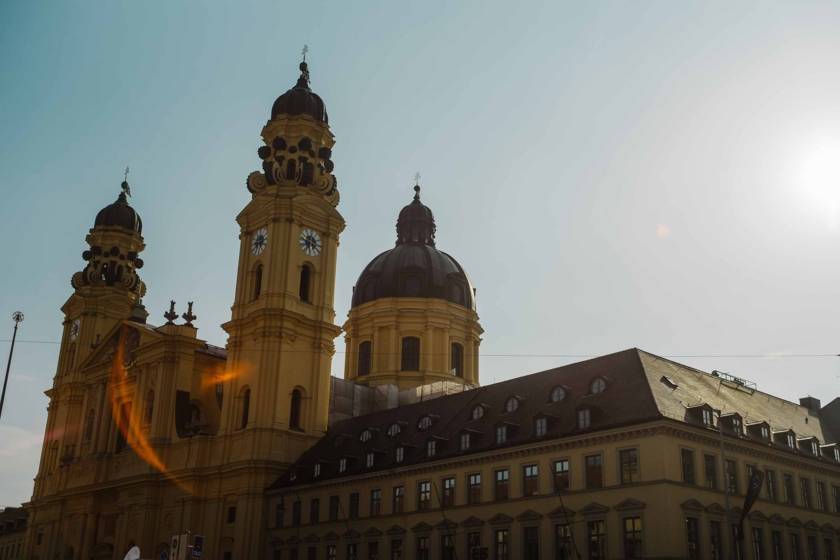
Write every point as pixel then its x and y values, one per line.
pixel 640 387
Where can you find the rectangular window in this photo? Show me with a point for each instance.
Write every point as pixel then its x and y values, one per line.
pixel 424 495
pixel 758 543
pixel 805 492
pixel 584 418
pixel 334 506
pixel 821 502
pixel 737 548
pixel 396 549
pixel 531 543
pixel 710 471
pixel 353 507
pixel 353 550
pixel 375 502
pixel 632 537
pixel 332 552
pixel 501 434
pixel 812 548
pixel 628 460
pixel 530 480
pixel 370 459
pixel 474 488
pixel 423 552
pixel 795 547
pixel 502 487
pixel 431 448
pixel 787 485
pixel 473 545
pixel 373 550
pixel 596 538
pixel 563 548
pixel 448 492
pixel 398 500
pixel 231 514
pixel 750 473
pixel 279 514
pixel 296 513
pixel 540 426
pixel 692 537
pixel 687 458
pixel 731 477
pixel 399 454
pixel 501 544
pixel 561 475
pixel 314 506
pixel 770 484
pixel 715 540
pixel 447 547
pixel 465 441
pixel 594 471
pixel 778 547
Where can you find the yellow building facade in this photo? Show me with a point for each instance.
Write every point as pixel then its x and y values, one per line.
pixel 154 433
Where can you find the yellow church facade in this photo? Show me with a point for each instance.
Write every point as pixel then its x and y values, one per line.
pixel 152 433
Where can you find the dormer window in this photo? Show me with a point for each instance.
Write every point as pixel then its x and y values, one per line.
pixel 316 471
pixel 732 423
pixel 370 458
pixel 540 426
pixel 707 417
pixel 342 464
pixel 424 423
pixel 584 418
pixel 791 440
pixel 511 405
pixel 431 448
pixel 736 425
pixel 815 447
pixel 394 429
pixel 501 434
pixel 465 441
pixel 758 430
pixel 399 454
pixel 598 385
pixel 837 454
pixel 765 432
pixel 365 436
pixel 478 412
pixel 557 394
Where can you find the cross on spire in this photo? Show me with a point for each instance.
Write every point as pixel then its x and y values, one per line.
pixel 125 188
pixel 304 51
pixel 417 178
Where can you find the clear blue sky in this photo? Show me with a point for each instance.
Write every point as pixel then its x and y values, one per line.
pixel 611 174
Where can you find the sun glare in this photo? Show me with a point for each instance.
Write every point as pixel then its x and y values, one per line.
pixel 819 178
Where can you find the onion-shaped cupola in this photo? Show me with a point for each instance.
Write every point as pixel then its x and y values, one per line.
pixel 115 241
pixel 412 320
pixel 297 150
pixel 414 267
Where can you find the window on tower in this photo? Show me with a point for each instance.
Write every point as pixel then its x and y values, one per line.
pixel 457 360
pixel 410 354
pixel 364 358
pixel 294 410
pixel 305 282
pixel 246 408
pixel 258 274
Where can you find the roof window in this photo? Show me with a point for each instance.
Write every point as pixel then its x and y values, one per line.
pixel 598 385
pixel 511 404
pixel 478 412
pixel 425 422
pixel 394 429
pixel 557 394
pixel 365 436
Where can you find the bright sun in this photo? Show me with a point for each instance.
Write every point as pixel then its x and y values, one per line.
pixel 819 177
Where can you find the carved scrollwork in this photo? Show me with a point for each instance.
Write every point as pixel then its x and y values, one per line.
pixel 256 182
pixel 295 161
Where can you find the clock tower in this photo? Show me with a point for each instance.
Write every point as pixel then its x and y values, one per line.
pixel 282 330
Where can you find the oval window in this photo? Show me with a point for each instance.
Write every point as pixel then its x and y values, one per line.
pixel 512 404
pixel 597 386
pixel 558 394
pixel 478 412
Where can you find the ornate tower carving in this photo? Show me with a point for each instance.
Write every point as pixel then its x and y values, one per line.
pixel 282 328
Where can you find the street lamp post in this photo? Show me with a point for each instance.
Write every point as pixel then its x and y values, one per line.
pixel 17 317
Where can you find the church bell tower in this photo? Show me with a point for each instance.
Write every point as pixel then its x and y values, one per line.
pixel 282 331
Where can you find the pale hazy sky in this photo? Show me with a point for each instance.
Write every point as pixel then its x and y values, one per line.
pixel 611 174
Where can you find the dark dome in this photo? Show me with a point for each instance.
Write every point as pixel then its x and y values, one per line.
pixel 300 100
pixel 415 267
pixel 119 214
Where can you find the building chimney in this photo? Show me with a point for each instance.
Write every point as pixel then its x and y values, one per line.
pixel 810 403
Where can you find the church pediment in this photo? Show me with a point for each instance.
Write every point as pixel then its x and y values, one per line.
pixel 472 521
pixel 561 513
pixel 529 515
pixel 396 530
pixel 373 532
pixel 594 509
pixel 421 527
pixel 501 519
pixel 446 525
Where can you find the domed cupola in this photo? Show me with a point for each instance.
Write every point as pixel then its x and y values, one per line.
pixel 414 267
pixel 120 214
pixel 301 100
pixel 412 320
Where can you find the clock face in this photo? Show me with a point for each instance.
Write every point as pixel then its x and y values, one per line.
pixel 310 242
pixel 74 329
pixel 259 241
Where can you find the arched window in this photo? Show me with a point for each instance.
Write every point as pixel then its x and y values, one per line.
pixel 258 274
pixel 305 281
pixel 149 409
pixel 597 386
pixel 294 410
pixel 246 408
pixel 410 354
pixel 364 358
pixel 456 360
